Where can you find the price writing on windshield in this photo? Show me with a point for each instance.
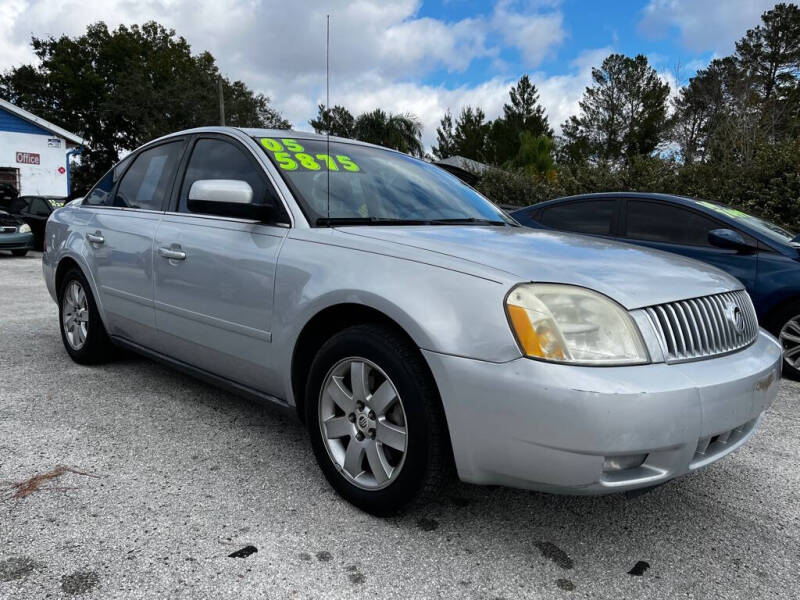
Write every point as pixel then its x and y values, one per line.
pixel 291 156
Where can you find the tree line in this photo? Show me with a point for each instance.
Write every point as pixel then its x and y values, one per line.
pixel 729 134
pixel 120 88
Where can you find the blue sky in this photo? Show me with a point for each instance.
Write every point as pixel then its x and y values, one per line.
pixel 423 57
pixel 625 26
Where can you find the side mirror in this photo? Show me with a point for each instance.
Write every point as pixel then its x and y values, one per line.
pixel 226 198
pixel 728 239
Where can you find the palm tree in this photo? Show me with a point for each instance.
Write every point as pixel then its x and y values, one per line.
pixel 402 132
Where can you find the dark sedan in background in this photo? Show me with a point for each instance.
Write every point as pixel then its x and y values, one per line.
pixel 34 210
pixel 762 255
pixel 15 234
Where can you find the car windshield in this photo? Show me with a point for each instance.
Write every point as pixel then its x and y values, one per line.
pixel 771 230
pixel 374 186
pixel 56 202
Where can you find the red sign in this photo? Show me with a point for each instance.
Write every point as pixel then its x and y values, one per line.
pixel 62 170
pixel 28 158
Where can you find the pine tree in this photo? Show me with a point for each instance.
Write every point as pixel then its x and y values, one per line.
pixel 622 115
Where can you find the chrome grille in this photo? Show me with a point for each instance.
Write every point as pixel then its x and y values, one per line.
pixel 704 327
pixel 7 229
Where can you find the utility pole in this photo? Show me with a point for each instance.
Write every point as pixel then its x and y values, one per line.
pixel 221 103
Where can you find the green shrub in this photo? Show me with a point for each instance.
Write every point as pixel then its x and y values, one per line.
pixel 768 186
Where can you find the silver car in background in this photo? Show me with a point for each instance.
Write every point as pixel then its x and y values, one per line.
pixel 411 323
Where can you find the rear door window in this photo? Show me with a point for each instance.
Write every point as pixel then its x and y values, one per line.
pixel 39 208
pixel 147 183
pixel 582 216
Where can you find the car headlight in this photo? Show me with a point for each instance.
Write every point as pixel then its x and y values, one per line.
pixel 570 324
pixel 24 228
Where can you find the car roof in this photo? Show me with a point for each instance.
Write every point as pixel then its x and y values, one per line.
pixel 685 200
pixel 698 204
pixel 274 133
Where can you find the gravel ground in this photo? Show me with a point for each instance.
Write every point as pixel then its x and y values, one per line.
pixel 167 476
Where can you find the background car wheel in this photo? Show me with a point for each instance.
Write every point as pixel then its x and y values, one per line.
pixel 82 331
pixel 785 326
pixel 19 252
pixel 376 420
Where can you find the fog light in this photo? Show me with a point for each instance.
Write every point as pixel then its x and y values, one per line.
pixel 620 463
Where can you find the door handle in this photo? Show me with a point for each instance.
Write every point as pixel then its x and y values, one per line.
pixel 95 238
pixel 172 254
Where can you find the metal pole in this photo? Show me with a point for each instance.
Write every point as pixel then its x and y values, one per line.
pixel 70 154
pixel 328 107
pixel 221 103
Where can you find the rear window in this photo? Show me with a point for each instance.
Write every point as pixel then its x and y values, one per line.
pixel 582 216
pixel 146 184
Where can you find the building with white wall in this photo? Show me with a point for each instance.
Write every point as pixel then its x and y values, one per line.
pixel 34 153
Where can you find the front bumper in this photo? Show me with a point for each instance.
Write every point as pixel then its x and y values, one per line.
pixel 16 241
pixel 551 427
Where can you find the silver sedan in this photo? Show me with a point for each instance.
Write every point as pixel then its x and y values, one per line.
pixel 410 323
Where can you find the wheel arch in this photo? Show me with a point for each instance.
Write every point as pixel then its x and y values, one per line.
pixel 64 265
pixel 70 261
pixel 326 323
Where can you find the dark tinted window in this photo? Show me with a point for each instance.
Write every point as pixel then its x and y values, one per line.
pixel 39 207
pixel 525 217
pixel 146 184
pixel 661 222
pixel 218 159
pixel 18 205
pixel 585 216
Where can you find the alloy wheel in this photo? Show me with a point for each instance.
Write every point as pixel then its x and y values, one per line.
pixel 75 315
pixel 363 423
pixel 790 340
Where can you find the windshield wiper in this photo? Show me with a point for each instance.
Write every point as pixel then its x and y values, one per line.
pixel 467 221
pixel 334 221
pixel 338 221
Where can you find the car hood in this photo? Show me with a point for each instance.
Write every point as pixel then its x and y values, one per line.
pixel 9 220
pixel 632 275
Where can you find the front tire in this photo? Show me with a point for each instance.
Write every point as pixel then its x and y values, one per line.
pixel 82 330
pixel 19 252
pixel 375 420
pixel 785 325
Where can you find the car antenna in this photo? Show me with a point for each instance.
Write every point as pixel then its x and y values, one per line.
pixel 328 106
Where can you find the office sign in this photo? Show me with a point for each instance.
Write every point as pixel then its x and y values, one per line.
pixel 28 158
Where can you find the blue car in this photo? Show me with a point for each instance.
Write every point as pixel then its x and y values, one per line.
pixel 762 255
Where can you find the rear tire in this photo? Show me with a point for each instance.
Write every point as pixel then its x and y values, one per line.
pixel 19 252
pixel 785 325
pixel 82 330
pixel 382 446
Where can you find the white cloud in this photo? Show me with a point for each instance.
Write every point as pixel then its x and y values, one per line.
pixel 703 25
pixel 380 50
pixel 535 35
pixel 559 94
